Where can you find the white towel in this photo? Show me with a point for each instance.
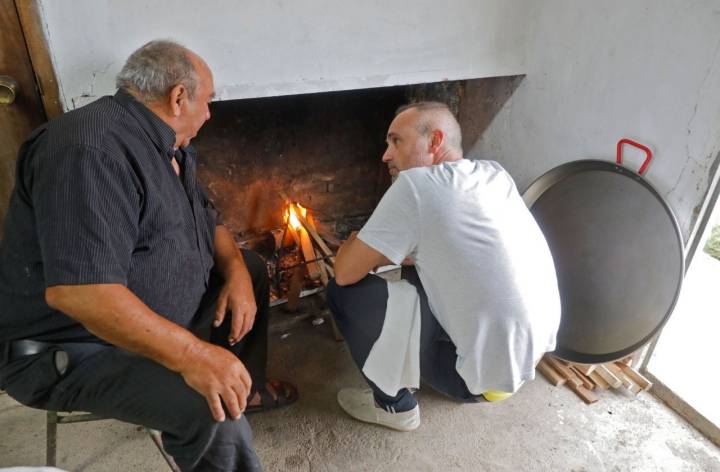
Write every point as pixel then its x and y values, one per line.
pixel 394 360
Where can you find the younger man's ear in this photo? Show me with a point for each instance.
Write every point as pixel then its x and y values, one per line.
pixel 436 139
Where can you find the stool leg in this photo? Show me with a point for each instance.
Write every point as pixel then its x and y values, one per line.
pixel 155 436
pixel 51 438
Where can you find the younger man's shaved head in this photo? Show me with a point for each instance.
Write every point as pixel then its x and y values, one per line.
pixel 436 115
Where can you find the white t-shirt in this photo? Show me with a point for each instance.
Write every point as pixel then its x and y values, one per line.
pixel 483 261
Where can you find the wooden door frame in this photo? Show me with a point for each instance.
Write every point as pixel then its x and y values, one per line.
pixel 31 23
pixel 659 389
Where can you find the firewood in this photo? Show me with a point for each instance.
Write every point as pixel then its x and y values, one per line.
pixel 608 376
pixel 330 270
pixel 309 254
pixel 635 376
pixel 296 283
pixel 587 396
pixel 585 369
pixel 318 240
pixel 586 379
pixel 550 374
pixel 563 369
pixel 587 383
pixel 323 273
pixel 321 244
pixel 324 267
pixel 599 381
pixel 300 236
pixel 634 388
pixel 619 374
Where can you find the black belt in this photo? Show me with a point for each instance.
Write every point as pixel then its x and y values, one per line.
pixel 14 350
pixel 27 347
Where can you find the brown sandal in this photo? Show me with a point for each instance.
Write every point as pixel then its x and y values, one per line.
pixel 285 394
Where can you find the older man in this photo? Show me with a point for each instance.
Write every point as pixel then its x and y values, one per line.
pixel 115 273
pixel 479 307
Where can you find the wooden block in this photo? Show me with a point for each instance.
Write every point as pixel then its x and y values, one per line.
pixel 619 374
pixel 550 374
pixel 608 376
pixel 635 376
pixel 626 381
pixel 587 396
pixel 587 383
pixel 328 268
pixel 599 381
pixel 296 283
pixel 325 269
pixel 318 240
pixel 634 388
pixel 308 251
pixel 563 369
pixel 584 369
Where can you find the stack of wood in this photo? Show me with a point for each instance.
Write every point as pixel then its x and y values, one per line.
pixel 587 380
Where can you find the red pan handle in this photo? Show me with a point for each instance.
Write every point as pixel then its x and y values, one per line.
pixel 647 150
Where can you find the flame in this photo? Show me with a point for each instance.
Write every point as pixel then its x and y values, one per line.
pixel 291 216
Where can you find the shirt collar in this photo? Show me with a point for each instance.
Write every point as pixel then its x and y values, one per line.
pixel 161 134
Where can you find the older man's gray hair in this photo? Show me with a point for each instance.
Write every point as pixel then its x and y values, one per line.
pixel 155 68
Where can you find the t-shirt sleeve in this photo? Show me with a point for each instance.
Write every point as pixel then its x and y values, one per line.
pixel 87 210
pixel 394 227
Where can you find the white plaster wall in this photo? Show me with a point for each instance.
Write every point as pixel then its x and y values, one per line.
pixel 598 71
pixel 274 47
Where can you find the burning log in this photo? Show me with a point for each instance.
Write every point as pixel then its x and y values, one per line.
pixel 324 268
pixel 318 240
pixel 299 233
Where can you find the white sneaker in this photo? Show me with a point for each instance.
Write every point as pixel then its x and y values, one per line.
pixel 360 404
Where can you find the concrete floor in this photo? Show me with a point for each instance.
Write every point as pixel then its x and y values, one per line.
pixel 541 428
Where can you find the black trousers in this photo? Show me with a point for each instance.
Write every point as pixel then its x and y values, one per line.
pixel 113 382
pixel 359 311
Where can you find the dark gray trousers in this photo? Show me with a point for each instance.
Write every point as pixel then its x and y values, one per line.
pixel 359 311
pixel 115 383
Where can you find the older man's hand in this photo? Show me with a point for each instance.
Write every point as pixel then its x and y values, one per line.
pixel 238 298
pixel 219 376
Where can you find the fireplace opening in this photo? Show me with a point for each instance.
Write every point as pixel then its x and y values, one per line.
pixel 324 150
pixel 320 152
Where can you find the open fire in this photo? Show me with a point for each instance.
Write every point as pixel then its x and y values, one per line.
pixel 300 261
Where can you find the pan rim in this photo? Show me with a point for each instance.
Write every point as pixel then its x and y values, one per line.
pixel 554 177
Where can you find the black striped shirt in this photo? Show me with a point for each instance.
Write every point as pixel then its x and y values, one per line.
pixel 96 201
